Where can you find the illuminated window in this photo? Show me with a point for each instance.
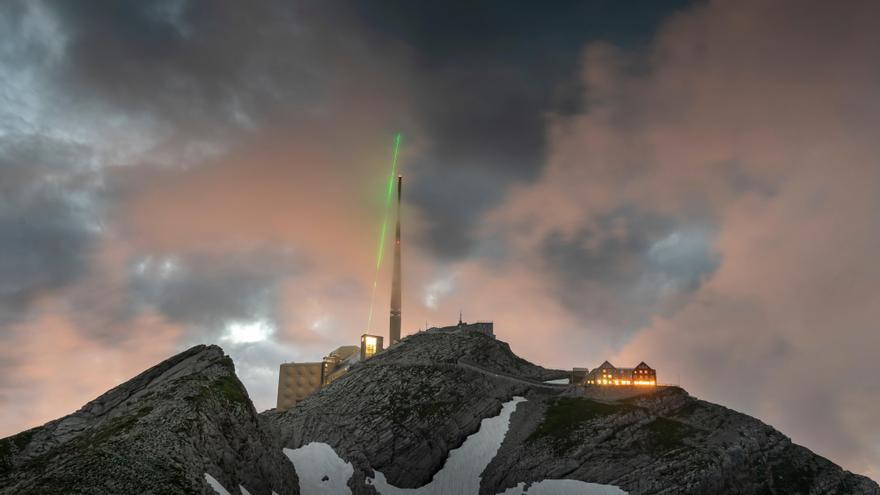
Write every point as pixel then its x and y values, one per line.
pixel 370 344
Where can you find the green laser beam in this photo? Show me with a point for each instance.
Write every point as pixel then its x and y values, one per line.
pixel 389 193
pixel 381 250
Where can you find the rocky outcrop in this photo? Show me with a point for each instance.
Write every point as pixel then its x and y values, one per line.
pixel 660 442
pixel 402 411
pixel 160 432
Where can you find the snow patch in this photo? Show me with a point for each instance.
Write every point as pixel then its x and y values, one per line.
pixel 460 474
pixel 320 470
pixel 563 487
pixel 219 490
pixel 215 485
pixel 558 381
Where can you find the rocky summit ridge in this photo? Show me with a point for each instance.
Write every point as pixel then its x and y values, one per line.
pixel 159 432
pixel 401 413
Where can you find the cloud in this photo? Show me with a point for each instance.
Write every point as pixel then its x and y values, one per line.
pixel 103 101
pixel 198 67
pixel 484 81
pixel 47 220
pixel 742 138
pixel 38 355
pixel 627 268
pixel 699 192
pixel 209 290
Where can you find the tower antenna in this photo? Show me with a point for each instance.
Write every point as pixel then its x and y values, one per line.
pixel 381 249
pixel 394 322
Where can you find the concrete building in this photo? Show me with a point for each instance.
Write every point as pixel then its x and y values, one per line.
pixel 337 362
pixel 370 345
pixel 296 381
pixel 608 374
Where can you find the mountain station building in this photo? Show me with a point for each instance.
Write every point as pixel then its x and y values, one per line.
pixel 608 374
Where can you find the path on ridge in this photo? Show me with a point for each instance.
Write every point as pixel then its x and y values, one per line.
pixel 505 376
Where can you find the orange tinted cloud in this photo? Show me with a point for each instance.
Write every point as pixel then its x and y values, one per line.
pixel 56 368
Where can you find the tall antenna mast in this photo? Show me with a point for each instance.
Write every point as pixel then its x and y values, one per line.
pixel 394 324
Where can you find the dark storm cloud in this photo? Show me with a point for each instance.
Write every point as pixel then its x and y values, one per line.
pixel 204 66
pixel 628 267
pixel 205 291
pixel 46 226
pixel 131 83
pixel 481 78
pixel 488 76
pixel 160 75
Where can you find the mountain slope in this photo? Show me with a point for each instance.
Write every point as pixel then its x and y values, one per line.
pixel 160 432
pixel 660 442
pixel 394 419
pixel 402 411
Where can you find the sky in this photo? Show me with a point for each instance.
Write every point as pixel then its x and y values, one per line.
pixel 692 184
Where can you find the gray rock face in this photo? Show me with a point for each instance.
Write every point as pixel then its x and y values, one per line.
pixel 404 410
pixel 661 442
pixel 160 432
pixel 401 412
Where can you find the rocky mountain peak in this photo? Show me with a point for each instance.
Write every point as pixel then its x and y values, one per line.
pixel 163 429
pixel 394 422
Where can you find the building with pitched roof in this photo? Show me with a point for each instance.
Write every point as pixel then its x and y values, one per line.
pixel 608 374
